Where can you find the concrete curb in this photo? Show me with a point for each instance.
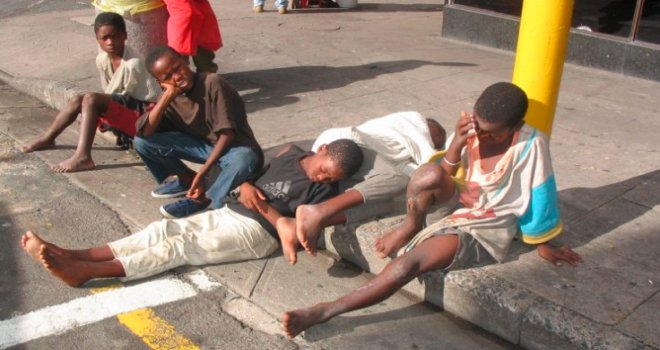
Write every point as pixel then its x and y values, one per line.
pixel 55 94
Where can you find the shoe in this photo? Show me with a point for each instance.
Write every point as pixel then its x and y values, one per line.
pixel 182 208
pixel 258 9
pixel 169 189
pixel 281 10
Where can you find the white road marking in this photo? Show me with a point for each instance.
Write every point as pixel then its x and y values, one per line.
pixel 60 318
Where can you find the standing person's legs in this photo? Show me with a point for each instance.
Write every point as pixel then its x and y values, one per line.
pixel 434 253
pixel 237 165
pixel 208 38
pixel 162 154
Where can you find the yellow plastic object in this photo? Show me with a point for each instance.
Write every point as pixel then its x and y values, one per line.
pixel 127 7
pixel 542 45
pixel 459 177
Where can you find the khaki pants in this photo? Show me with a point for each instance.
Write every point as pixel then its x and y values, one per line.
pixel 211 237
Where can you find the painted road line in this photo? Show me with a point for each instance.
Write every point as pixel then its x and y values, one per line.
pixel 154 331
pixel 60 318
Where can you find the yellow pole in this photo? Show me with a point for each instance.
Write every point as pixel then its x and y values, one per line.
pixel 542 43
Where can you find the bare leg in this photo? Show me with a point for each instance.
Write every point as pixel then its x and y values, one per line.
pixel 311 219
pixel 434 253
pixel 62 120
pixel 93 104
pixel 32 244
pixel 286 229
pixel 76 272
pixel 429 185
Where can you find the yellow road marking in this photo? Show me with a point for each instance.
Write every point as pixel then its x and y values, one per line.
pixel 151 329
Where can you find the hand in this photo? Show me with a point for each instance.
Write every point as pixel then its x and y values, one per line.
pixel 463 132
pixel 197 190
pixel 556 255
pixel 170 89
pixel 251 197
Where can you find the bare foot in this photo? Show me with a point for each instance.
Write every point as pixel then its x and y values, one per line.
pixel 69 270
pixel 299 320
pixel 73 164
pixel 38 145
pixel 32 244
pixel 390 243
pixel 308 226
pixel 286 229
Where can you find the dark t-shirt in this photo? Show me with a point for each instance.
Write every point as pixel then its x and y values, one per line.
pixel 210 106
pixel 286 186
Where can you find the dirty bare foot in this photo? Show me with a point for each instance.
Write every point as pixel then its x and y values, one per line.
pixel 71 271
pixel 75 163
pixel 38 144
pixel 309 221
pixel 299 320
pixel 390 242
pixel 286 229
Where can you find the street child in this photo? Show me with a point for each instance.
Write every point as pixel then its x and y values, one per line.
pixel 129 90
pixel 401 142
pixel 198 118
pixel 510 188
pixel 232 233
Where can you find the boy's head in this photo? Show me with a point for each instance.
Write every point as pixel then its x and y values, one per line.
pixel 335 161
pixel 110 31
pixel 438 133
pixel 499 110
pixel 169 67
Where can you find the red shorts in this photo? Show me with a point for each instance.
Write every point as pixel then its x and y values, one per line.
pixel 122 114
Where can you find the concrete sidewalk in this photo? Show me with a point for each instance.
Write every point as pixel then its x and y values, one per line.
pixel 310 70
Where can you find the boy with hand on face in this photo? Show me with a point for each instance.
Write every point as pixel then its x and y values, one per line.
pixel 129 91
pixel 509 189
pixel 198 118
pixel 233 233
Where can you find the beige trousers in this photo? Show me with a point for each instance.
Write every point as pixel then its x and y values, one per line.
pixel 211 237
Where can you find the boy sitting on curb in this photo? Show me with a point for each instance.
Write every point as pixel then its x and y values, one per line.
pixel 198 118
pixel 510 188
pixel 129 92
pixel 232 233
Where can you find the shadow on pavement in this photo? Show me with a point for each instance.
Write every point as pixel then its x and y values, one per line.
pixel 278 87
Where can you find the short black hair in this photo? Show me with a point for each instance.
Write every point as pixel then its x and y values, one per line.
pixel 347 154
pixel 156 54
pixel 502 103
pixel 109 19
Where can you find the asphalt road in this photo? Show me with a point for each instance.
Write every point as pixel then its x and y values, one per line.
pixel 13 8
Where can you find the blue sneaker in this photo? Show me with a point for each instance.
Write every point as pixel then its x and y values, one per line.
pixel 169 189
pixel 182 208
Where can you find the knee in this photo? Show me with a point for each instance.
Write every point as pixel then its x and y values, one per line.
pixel 90 99
pixel 140 144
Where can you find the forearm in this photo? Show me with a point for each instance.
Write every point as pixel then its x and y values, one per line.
pixel 156 114
pixel 224 142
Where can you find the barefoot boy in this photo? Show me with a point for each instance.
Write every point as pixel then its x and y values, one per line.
pixel 400 142
pixel 128 91
pixel 232 233
pixel 510 188
pixel 198 118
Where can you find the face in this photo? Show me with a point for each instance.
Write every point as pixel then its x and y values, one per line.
pixel 111 40
pixel 322 168
pixel 490 133
pixel 173 70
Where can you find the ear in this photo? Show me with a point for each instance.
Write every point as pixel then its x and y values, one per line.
pixel 323 148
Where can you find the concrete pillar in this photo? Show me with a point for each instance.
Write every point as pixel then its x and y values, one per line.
pixel 539 62
pixel 146 29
